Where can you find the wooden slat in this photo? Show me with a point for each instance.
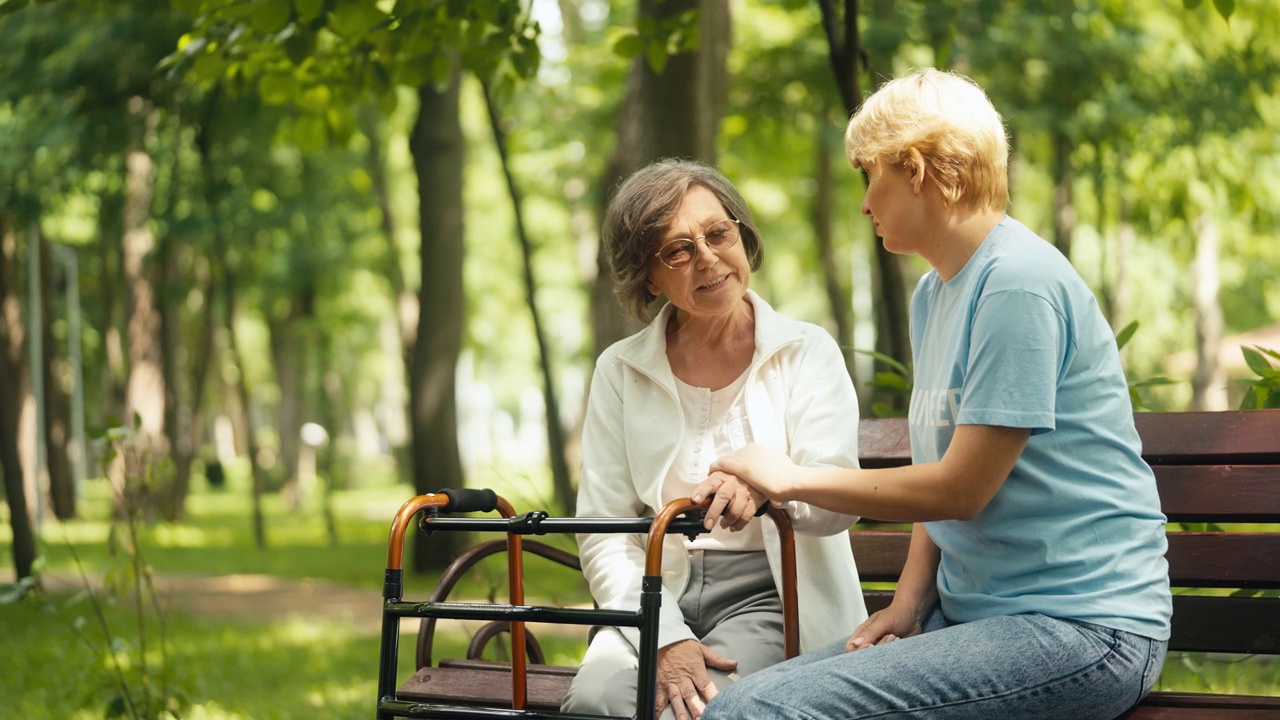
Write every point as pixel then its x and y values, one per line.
pixel 1200 624
pixel 477 685
pixel 1210 438
pixel 883 442
pixel 1236 437
pixel 1165 706
pixel 1231 560
pixel 1220 493
pixel 880 554
pixel 1249 625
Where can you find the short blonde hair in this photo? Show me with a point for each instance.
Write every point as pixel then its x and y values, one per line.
pixel 944 120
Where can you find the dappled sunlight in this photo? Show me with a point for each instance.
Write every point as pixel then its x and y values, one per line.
pixel 186 536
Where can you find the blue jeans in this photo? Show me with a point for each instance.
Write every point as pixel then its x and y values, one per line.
pixel 1019 667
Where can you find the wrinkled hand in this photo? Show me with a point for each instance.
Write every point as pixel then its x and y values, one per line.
pixel 767 470
pixel 735 502
pixel 884 626
pixel 683 680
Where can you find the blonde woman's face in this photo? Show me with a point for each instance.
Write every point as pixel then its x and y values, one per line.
pixel 894 205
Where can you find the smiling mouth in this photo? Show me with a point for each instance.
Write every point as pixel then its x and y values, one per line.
pixel 714 284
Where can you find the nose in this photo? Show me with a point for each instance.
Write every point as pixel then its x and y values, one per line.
pixel 704 255
pixel 866 209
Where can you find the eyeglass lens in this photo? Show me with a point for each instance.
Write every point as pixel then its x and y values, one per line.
pixel 681 251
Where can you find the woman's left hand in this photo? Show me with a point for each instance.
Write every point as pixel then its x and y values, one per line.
pixel 735 502
pixel 770 472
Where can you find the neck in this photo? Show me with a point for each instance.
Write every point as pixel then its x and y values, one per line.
pixel 958 236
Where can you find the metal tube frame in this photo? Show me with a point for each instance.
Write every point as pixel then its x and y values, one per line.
pixel 673 518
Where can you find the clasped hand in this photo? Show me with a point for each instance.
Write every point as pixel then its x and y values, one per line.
pixel 742 482
pixel 735 502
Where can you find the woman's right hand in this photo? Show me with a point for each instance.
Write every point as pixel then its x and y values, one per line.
pixel 894 622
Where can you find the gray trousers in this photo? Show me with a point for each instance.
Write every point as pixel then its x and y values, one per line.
pixel 730 604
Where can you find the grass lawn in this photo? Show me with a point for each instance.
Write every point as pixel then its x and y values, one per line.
pixel 234 667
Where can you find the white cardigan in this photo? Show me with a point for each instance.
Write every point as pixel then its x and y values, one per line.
pixel 799 398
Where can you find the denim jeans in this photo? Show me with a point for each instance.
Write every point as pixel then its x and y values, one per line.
pixel 1023 667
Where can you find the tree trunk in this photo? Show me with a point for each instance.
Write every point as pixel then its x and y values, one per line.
pixel 696 82
pixel 57 404
pixel 437 146
pixel 562 484
pixel 11 342
pixel 395 419
pixel 242 392
pixel 290 345
pixel 1064 205
pixel 145 392
pixel 1208 385
pixel 845 54
pixel 834 272
pixel 108 312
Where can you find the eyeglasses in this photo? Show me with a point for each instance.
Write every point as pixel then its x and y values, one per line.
pixel 678 253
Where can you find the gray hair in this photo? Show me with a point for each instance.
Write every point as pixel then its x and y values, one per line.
pixel 643 209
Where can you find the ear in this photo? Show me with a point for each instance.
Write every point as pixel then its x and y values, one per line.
pixel 916 167
pixel 651 286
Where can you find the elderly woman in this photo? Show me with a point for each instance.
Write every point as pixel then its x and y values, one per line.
pixel 717 368
pixel 1036 584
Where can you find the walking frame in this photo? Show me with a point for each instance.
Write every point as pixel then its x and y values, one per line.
pixel 681 516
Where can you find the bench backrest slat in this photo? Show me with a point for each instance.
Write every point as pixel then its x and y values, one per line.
pixel 1220 493
pixel 1209 560
pixel 1210 438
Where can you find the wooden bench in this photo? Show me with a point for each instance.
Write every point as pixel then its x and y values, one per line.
pixel 1214 470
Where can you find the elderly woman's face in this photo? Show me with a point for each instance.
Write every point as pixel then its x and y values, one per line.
pixel 711 277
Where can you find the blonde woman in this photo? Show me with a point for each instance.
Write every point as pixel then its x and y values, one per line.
pixel 1036 584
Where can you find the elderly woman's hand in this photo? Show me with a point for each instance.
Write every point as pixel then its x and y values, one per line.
pixel 683 680
pixel 768 471
pixel 735 503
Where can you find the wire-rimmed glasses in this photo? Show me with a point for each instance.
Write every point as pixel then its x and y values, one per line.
pixel 678 253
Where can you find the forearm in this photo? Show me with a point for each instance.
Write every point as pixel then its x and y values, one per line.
pixel 912 493
pixel 918 584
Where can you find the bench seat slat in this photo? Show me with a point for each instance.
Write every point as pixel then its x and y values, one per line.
pixel 486 684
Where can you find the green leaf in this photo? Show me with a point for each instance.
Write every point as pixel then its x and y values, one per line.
pixel 269 16
pixel 657 57
pixel 355 18
pixel 1191 4
pixel 1225 8
pixel 1125 335
pixel 276 88
pixel 628 46
pixel 308 10
pixel 1259 364
pixel 311 133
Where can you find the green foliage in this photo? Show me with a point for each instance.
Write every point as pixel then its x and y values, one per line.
pixel 1136 387
pixel 896 381
pixel 1263 392
pixel 658 40
pixel 1224 7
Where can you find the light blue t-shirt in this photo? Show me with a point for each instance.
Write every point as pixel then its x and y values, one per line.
pixel 1016 339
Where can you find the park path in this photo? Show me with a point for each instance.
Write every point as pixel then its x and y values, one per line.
pixel 262 597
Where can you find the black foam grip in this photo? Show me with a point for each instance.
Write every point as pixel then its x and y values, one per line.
pixel 463 500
